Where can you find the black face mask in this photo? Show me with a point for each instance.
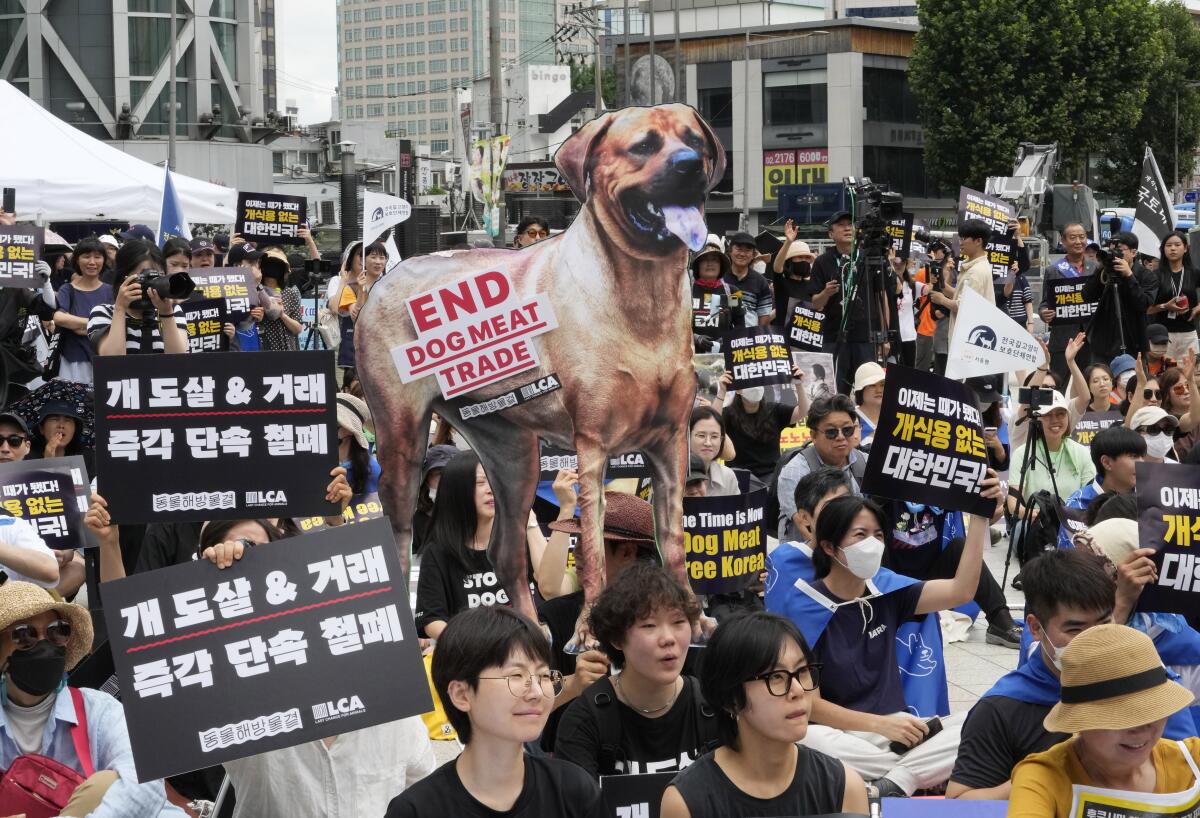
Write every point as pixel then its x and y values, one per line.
pixel 39 670
pixel 799 269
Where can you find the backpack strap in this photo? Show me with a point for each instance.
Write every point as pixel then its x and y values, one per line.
pixel 706 719
pixel 603 697
pixel 79 733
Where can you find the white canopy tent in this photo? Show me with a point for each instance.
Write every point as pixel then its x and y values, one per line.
pixel 62 174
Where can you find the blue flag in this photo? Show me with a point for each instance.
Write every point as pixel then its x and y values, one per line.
pixel 171 221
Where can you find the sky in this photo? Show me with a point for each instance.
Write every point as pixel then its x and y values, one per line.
pixel 306 55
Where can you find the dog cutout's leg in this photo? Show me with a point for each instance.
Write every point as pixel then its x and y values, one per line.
pixel 589 553
pixel 510 461
pixel 402 434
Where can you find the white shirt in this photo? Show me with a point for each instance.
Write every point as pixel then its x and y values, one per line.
pixel 908 326
pixel 19 533
pixel 357 776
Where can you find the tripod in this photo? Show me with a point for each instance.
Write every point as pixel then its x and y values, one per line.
pixel 1029 463
pixel 315 340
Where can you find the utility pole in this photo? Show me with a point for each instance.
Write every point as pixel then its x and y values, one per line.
pixel 678 56
pixel 625 51
pixel 597 71
pixel 171 86
pixel 496 105
pixel 653 73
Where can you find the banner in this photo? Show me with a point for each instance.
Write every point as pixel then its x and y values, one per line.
pixel 931 448
pixel 986 341
pixel 1099 802
pixel 725 541
pixel 171 222
pixel 217 436
pixel 52 496
pixel 1168 502
pixel 1067 298
pixel 205 320
pixel 807 166
pixel 1092 423
pixel 806 330
pixel 634 796
pixel 900 231
pixel 362 508
pixel 20 248
pixel 488 158
pixel 234 284
pixel 473 333
pixel 620 466
pixel 380 212
pixel 1001 252
pixel 299 640
pixel 975 205
pixel 1154 217
pixel 757 356
pixel 270 218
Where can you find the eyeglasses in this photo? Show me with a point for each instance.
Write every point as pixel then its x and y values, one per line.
pixel 1151 394
pixel 520 683
pixel 25 636
pixel 1162 427
pixel 1179 389
pixel 13 441
pixel 535 233
pixel 833 432
pixel 779 682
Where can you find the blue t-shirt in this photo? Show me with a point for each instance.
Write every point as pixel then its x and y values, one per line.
pixel 373 472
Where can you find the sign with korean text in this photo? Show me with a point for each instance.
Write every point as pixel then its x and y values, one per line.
pixel 473 332
pixel 725 541
pixel 20 248
pixel 1066 294
pixel 757 356
pixel 52 496
pixel 900 231
pixel 930 447
pixel 1001 252
pixel 806 329
pixel 270 218
pixel 620 466
pixel 217 436
pixel 975 205
pixel 1100 802
pixel 205 321
pixel 1168 502
pixel 1091 424
pixel 806 166
pixel 361 508
pixel 235 285
pixel 299 640
pixel 634 795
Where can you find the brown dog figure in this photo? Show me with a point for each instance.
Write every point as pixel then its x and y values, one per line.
pixel 616 281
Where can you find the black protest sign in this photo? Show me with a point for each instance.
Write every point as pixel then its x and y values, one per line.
pixel 900 231
pixel 1092 423
pixel 361 508
pixel 620 466
pixel 710 310
pixel 205 320
pixel 234 284
pixel 724 541
pixel 1066 294
pixel 301 639
pixel 270 218
pixel 1001 252
pixel 757 356
pixel 1168 503
pixel 806 329
pixel 51 495
pixel 928 447
pixel 216 436
pixel 975 205
pixel 634 796
pixel 20 248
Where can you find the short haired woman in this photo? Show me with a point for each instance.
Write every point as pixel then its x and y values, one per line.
pixel 76 299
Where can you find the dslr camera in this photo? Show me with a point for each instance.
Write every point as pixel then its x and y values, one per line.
pixel 177 286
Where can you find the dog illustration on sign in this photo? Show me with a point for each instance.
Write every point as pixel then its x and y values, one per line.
pixel 600 308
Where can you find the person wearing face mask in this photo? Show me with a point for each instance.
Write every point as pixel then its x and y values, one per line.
pixel 792 277
pixel 1157 427
pixel 754 423
pixel 850 609
pixel 1116 451
pixel 40 640
pixel 1124 370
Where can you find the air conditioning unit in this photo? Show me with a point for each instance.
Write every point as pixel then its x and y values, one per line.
pixel 297 171
pixel 521 123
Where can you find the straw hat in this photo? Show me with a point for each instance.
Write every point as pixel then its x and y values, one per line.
pixel 626 519
pixel 1113 679
pixel 20 601
pixel 353 415
pixel 800 250
pixel 711 250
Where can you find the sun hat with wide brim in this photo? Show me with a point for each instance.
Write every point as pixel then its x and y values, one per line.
pixel 20 601
pixel 626 519
pixel 800 250
pixel 353 416
pixel 1113 679
pixel 711 251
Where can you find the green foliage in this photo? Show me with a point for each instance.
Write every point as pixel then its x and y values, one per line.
pixel 583 79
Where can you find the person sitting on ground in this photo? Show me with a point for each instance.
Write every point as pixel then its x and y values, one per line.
pixel 1115 701
pixel 1071 462
pixel 492 673
pixel 696 484
pixel 130 326
pixel 814 490
pixel 59 431
pixel 1115 451
pixel 868 398
pixel 354 451
pixel 650 718
pixel 1092 388
pixel 707 439
pixel 1157 427
pixel 754 423
pixel 758 675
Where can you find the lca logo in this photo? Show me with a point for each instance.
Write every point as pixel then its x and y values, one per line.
pixel 266 498
pixel 328 711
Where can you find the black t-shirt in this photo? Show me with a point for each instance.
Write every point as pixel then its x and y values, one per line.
pixel 818 787
pixel 998 733
pixel 670 742
pixel 444 588
pixel 915 540
pixel 787 289
pixel 1172 284
pixel 757 454
pixel 828 267
pixel 560 615
pixel 551 787
pixel 168 544
pixel 858 651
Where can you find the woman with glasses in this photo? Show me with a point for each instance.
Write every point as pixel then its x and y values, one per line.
pixel 759 676
pixel 492 673
pixel 707 439
pixel 531 230
pixel 1157 428
pixel 1179 396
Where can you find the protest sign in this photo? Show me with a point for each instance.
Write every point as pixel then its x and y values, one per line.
pixel 900 231
pixel 1168 503
pixel 635 795
pixel 985 341
pixel 362 508
pixel 757 356
pixel 1066 294
pixel 20 248
pixel 1100 802
pixel 513 397
pixel 930 450
pixel 205 320
pixel 818 373
pixel 216 436
pixel 380 212
pixel 52 496
pixel 975 205
pixel 270 218
pixel 620 466
pixel 1092 423
pixel 299 640
pixel 234 284
pixel 706 311
pixel 917 248
pixel 806 329
pixel 1001 252
pixel 473 333
pixel 725 541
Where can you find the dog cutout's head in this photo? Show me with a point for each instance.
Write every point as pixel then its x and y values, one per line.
pixel 646 172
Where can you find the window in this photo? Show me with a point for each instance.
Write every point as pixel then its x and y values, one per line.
pixel 887 96
pixel 453 24
pixel 421 28
pixel 437 66
pixel 439 146
pixel 373 52
pixel 437 26
pixel 392 105
pixel 419 9
pixel 372 13
pixel 374 32
pixel 391 31
pixel 391 69
pixel 439 126
pixel 374 72
pixel 277 162
pixel 902 168
pixel 439 106
pixel 391 89
pixel 375 90
pixel 375 110
pixel 312 160
pixel 716 106
pixel 437 6
pixel 328 213
pixel 439 85
pixel 391 51
pixel 795 98
pixel 420 106
pixel 437 46
pixel 412 107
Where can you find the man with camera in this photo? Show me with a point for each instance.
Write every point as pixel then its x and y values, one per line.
pixel 933 339
pixel 975 273
pixel 1073 265
pixel 1123 291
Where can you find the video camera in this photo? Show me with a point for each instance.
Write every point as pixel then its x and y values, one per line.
pixel 875 207
pixel 177 286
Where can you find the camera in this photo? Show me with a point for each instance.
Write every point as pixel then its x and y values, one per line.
pixel 176 285
pixel 1035 397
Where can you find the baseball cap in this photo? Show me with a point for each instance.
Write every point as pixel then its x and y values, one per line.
pixel 1150 416
pixel 868 374
pixel 696 470
pixel 244 251
pixel 16 420
pixel 203 245
pixel 1057 402
pixel 436 458
pixel 743 238
pixel 138 231
pixel 110 240
pixel 837 217
pixel 1157 334
pixel 221 242
pixel 1122 364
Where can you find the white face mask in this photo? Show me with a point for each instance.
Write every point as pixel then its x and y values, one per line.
pixel 433 494
pixel 863 558
pixel 1157 445
pixel 754 394
pixel 1053 651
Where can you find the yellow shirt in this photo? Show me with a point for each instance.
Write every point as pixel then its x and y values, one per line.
pixel 1041 784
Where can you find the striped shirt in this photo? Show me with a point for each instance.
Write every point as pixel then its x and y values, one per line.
pixel 101 319
pixel 1014 305
pixel 753 293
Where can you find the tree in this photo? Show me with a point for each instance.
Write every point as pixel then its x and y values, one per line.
pixel 583 79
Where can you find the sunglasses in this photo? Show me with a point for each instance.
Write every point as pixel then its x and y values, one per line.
pixel 1179 389
pixel 534 233
pixel 1162 427
pixel 1151 394
pixel 833 432
pixel 13 441
pixel 25 636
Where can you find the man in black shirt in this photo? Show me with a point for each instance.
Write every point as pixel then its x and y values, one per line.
pixel 1122 293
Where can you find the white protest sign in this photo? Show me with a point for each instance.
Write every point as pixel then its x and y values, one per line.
pixel 381 212
pixel 988 342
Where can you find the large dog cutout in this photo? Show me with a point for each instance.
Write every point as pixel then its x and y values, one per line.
pixel 622 351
